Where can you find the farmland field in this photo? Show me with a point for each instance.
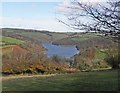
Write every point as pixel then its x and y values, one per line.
pixel 7 44
pixel 44 37
pixel 82 81
pixel 84 37
pixel 9 41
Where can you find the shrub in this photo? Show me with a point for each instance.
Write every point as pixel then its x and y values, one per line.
pixel 113 58
pixel 32 64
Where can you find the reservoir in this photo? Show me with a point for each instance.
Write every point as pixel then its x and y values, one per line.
pixel 60 50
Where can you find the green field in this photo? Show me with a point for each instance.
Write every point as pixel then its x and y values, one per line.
pixel 44 37
pixel 82 81
pixel 9 41
pixel 84 37
pixel 80 39
pixel 36 36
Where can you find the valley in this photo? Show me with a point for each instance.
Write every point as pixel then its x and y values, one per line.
pixel 66 46
pixel 70 56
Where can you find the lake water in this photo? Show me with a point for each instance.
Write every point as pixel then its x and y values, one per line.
pixel 60 50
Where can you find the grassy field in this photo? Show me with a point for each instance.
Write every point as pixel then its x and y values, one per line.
pixel 84 81
pixel 41 36
pixel 80 39
pixel 36 36
pixel 44 37
pixel 9 41
pixel 6 44
pixel 84 37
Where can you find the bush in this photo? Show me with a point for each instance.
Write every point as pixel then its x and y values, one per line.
pixel 113 58
pixel 32 64
pixel 113 61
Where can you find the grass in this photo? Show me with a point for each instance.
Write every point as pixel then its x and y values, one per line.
pixel 100 54
pixel 37 36
pixel 82 81
pixel 80 39
pixel 6 46
pixel 44 37
pixel 9 41
pixel 84 37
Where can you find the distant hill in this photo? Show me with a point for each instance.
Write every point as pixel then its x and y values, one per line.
pixel 36 35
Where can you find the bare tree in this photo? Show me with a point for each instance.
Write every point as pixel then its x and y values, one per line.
pixel 102 17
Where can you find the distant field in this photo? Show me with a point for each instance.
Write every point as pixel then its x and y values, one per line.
pixel 84 37
pixel 11 40
pixel 6 44
pixel 8 41
pixel 83 81
pixel 36 35
pixel 44 37
pixel 79 39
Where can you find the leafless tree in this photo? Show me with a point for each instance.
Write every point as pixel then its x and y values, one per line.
pixel 101 17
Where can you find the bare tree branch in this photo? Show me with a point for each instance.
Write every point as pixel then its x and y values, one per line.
pixel 103 18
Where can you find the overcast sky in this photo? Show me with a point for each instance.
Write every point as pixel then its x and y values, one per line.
pixel 34 15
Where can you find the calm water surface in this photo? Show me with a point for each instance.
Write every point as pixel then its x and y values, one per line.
pixel 60 50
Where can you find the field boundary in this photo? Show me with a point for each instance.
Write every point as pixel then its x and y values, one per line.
pixel 25 76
